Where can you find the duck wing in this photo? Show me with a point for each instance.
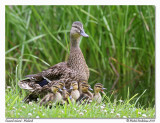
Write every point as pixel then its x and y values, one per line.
pixel 58 72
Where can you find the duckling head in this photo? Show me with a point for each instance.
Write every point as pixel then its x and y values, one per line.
pixel 98 87
pixel 74 85
pixel 55 88
pixel 62 85
pixel 85 87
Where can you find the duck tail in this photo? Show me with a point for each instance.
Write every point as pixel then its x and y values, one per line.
pixel 25 84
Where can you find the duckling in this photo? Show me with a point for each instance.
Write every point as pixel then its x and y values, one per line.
pixel 86 95
pixel 97 96
pixel 79 83
pixel 53 97
pixel 74 90
pixel 66 96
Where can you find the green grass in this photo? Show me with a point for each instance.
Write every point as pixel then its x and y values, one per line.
pixel 37 37
pixel 15 108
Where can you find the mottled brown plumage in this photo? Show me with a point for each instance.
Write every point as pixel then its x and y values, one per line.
pixel 74 69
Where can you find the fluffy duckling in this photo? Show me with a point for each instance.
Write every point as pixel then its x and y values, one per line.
pixel 66 96
pixel 97 96
pixel 79 83
pixel 53 97
pixel 86 95
pixel 74 90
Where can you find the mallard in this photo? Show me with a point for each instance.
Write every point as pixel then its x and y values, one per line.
pixel 74 90
pixel 52 97
pixel 97 96
pixel 73 70
pixel 86 96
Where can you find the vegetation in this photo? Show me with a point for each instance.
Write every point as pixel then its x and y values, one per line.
pixel 15 108
pixel 38 37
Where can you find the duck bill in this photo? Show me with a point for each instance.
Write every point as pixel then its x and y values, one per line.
pixel 60 90
pixel 71 87
pixel 103 89
pixel 90 89
pixel 64 88
pixel 70 97
pixel 82 33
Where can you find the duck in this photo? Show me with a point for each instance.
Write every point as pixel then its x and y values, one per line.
pixel 86 96
pixel 75 94
pixel 52 97
pixel 74 69
pixel 97 96
pixel 66 96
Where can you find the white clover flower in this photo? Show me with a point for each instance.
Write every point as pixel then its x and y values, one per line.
pixel 14 108
pixel 34 108
pixel 30 103
pixel 37 99
pixel 43 114
pixel 96 106
pixel 8 86
pixel 124 117
pixel 29 114
pixel 144 115
pixel 23 106
pixel 75 109
pixel 81 113
pixel 62 111
pixel 90 101
pixel 134 109
pixel 105 111
pixel 37 116
pixel 139 112
pixel 112 112
pixel 120 101
pixel 85 110
pixel 118 115
pixel 102 107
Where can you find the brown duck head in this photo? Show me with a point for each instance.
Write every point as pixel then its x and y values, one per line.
pixel 76 32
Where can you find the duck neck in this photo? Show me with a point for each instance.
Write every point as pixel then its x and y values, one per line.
pixel 74 42
pixel 96 92
pixel 76 58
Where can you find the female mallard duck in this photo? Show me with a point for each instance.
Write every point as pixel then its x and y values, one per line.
pixel 97 96
pixel 72 70
pixel 74 90
pixel 52 97
pixel 86 95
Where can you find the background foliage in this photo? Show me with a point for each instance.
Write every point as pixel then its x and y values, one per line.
pixel 38 37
